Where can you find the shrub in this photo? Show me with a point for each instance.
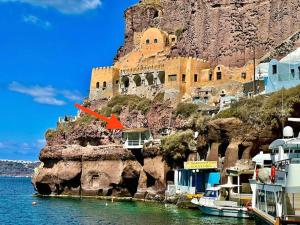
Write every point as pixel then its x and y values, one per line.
pixel 186 109
pixel 179 32
pixel 105 111
pixel 267 109
pixel 123 100
pixel 159 97
pixel 144 106
pixel 50 134
pixel 176 146
pixel 116 109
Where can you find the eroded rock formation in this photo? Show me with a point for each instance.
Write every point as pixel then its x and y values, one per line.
pixel 221 31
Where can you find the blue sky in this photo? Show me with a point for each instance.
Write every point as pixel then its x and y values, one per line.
pixel 47 51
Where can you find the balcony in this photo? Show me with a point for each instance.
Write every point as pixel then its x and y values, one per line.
pixel 134 144
pixel 136 138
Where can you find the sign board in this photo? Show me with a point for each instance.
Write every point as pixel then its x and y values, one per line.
pixel 190 165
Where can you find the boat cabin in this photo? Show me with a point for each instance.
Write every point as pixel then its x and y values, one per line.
pixel 195 177
pixel 135 138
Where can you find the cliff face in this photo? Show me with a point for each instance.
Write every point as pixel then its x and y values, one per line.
pixel 223 32
pixel 83 158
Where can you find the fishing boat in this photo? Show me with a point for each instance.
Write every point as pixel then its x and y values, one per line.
pixel 276 181
pixel 217 201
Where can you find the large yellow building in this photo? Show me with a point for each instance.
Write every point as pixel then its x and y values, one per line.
pixel 147 70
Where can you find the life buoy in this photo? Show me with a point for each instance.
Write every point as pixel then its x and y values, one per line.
pixel 249 206
pixel 273 174
pixel 256 174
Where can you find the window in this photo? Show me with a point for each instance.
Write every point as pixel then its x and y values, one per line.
pixel 173 39
pixel 271 203
pixel 219 75
pixel 293 73
pixel 104 85
pixel 172 77
pixel 211 194
pixel 243 75
pixel 147 41
pixel 117 81
pixel 97 85
pixel 183 78
pixel 155 40
pixel 260 200
pixel 195 77
pixel 210 76
pixel 206 98
pixel 274 69
pixel 219 68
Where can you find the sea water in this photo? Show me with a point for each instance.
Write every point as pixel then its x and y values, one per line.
pixel 16 209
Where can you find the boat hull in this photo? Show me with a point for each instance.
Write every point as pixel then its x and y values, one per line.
pixel 224 212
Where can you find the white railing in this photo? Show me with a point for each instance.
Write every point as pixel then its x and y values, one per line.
pixel 134 144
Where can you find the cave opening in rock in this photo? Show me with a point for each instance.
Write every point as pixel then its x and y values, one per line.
pixel 138 154
pixel 223 147
pixel 150 180
pixel 170 177
pixel 241 149
pixel 72 183
pixel 50 163
pixel 94 141
pixel 43 189
pixel 131 184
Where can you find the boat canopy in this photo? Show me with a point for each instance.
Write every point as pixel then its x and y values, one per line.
pixel 229 186
pixel 293 143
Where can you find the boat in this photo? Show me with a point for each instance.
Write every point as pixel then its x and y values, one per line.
pixel 217 201
pixel 276 181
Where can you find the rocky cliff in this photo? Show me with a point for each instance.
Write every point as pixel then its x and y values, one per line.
pixel 83 158
pixel 221 31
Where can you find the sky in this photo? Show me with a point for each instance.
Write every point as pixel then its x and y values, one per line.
pixel 47 51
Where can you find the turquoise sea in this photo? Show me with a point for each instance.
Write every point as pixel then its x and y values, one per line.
pixel 16 209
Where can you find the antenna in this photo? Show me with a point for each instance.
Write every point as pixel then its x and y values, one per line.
pixel 282 114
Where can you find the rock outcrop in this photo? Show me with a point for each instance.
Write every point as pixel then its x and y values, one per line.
pixel 221 31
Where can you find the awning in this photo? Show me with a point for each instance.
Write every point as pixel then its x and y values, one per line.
pixel 135 130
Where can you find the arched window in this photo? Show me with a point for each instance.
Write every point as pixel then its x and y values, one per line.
pixel 104 85
pixel 147 41
pixel 97 85
pixel 155 40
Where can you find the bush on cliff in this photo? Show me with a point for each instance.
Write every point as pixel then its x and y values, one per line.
pixel 144 106
pixel 132 101
pixel 186 109
pixel 268 109
pixel 50 134
pixel 176 146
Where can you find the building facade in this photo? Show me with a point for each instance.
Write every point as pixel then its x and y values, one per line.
pixel 282 75
pixel 149 69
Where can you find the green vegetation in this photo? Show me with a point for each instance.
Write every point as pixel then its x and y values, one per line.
pixel 186 109
pixel 176 146
pixel 197 121
pixel 266 110
pixel 50 134
pixel 144 106
pixel 179 32
pixel 116 104
pixel 159 97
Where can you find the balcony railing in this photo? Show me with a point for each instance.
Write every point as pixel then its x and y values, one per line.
pixel 134 144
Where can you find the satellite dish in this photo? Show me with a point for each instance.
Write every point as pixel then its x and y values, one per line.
pixel 288 132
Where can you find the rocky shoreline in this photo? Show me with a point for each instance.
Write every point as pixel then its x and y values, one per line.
pixel 83 158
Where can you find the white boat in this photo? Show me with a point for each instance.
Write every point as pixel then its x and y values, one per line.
pixel 216 201
pixel 276 182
